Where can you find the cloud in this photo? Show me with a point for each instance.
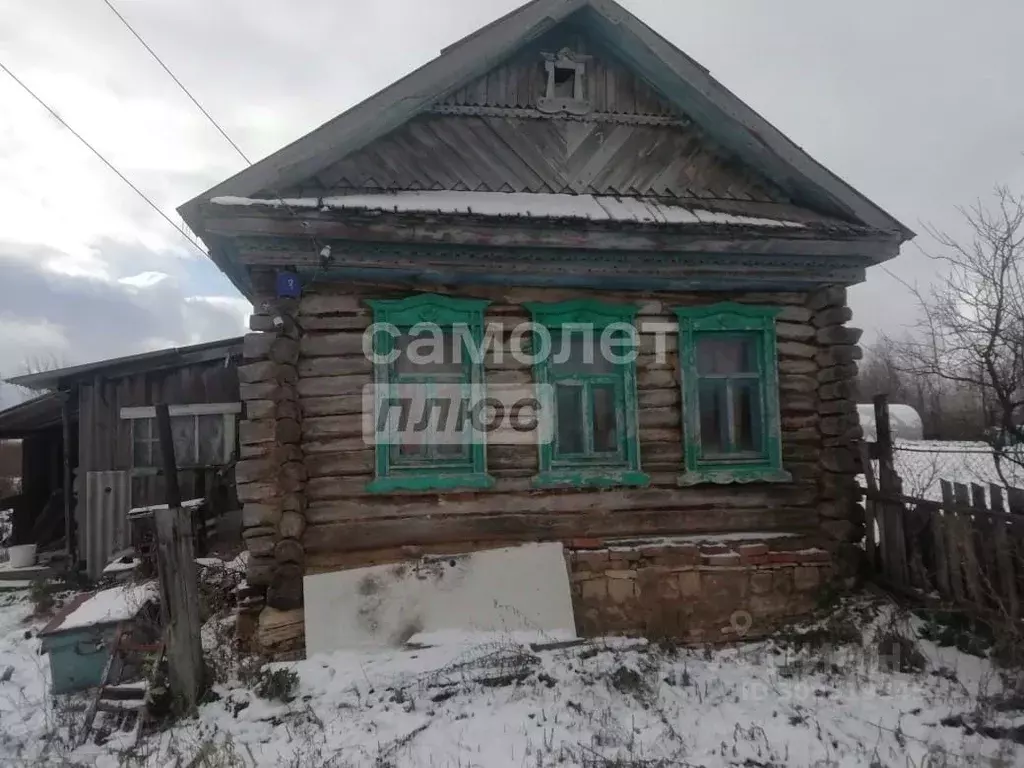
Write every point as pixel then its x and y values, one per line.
pixel 144 279
pixel 907 102
pixel 54 317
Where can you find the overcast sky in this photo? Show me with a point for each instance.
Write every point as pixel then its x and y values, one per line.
pixel 916 103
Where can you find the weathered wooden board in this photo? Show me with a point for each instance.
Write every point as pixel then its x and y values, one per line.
pixel 372 533
pixel 496 153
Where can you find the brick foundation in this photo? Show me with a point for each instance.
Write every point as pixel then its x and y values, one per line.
pixel 694 591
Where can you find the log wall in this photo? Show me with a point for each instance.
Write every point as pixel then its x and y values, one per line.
pixel 305 466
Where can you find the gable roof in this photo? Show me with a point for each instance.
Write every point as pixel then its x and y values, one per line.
pixel 736 127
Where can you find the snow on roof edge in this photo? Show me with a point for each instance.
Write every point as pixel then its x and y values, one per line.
pixel 522 204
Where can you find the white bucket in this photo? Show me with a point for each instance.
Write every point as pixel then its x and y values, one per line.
pixel 22 555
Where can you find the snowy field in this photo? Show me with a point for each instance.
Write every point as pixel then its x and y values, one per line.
pixel 826 699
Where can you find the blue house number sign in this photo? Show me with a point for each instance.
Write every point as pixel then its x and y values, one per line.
pixel 288 285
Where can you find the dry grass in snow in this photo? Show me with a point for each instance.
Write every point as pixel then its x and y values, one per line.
pixel 856 689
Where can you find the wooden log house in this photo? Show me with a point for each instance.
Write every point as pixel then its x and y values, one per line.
pixel 565 164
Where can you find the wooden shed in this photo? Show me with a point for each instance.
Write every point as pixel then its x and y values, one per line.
pixel 563 175
pixel 97 426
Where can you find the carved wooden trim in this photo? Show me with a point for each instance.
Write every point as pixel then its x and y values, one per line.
pixel 536 114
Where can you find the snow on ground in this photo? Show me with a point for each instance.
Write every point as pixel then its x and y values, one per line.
pixel 923 463
pixel 494 701
pixel 32 725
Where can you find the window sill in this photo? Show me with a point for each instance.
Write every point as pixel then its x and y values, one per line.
pixel 591 478
pixel 433 482
pixel 730 475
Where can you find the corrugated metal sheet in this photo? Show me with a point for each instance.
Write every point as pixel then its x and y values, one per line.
pixel 107 501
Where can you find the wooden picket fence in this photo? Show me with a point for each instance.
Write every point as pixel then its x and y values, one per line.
pixel 968 548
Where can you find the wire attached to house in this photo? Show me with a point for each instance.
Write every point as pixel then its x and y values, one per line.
pixel 324 260
pixel 99 155
pixel 178 82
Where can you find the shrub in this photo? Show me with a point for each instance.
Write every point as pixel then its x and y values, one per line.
pixel 276 685
pixel 43 593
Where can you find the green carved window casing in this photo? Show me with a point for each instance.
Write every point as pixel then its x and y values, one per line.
pixel 731 431
pixel 592 397
pixel 418 461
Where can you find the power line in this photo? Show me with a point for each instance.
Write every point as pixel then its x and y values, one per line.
pixel 970 452
pixel 316 246
pixel 178 82
pixel 102 159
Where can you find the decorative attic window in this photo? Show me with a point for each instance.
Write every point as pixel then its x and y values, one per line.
pixel 565 83
pixel 730 395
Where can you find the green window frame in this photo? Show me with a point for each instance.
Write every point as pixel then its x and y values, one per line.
pixel 730 388
pixel 434 470
pixel 590 464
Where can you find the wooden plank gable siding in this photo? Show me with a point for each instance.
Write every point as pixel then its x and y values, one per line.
pixel 343 517
pixel 489 136
pixel 510 153
pixel 608 85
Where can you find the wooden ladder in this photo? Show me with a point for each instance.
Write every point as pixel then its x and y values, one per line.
pixel 125 702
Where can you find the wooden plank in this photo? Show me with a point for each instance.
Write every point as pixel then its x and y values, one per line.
pixel 1015 501
pixel 333 490
pixel 543 168
pixel 163 424
pixel 335 366
pixel 954 556
pixel 1007 578
pixel 179 588
pixel 1015 531
pixel 528 71
pixel 70 542
pixel 368 532
pixel 984 542
pixel 870 548
pixel 894 550
pixel 394 228
pixel 972 574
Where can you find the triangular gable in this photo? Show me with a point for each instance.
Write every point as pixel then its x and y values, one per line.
pixel 494 135
pixel 686 85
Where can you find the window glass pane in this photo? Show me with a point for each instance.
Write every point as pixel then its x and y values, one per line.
pixel 142 443
pixel 429 353
pixel 183 434
pixel 212 438
pixel 449 451
pixel 713 423
pixel 746 413
pixel 569 414
pixel 579 352
pixel 718 355
pixel 606 438
pixel 411 447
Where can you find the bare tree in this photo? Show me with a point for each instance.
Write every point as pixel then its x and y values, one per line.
pixel 971 335
pixel 12 394
pixel 880 374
